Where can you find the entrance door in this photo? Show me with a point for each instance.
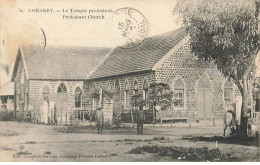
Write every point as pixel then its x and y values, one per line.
pixel 204 98
pixel 45 111
pixel 62 105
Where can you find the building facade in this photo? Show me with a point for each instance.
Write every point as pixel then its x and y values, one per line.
pixel 7 97
pixel 48 85
pixel 200 90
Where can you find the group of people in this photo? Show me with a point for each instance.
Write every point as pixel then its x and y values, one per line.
pixel 140 119
pixel 230 121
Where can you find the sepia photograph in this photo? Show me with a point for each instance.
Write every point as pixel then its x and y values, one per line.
pixel 129 81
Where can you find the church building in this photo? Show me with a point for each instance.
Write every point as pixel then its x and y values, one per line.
pixel 48 84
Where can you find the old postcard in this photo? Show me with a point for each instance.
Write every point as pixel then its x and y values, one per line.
pixel 129 81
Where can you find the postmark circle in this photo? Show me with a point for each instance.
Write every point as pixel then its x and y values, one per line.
pixel 130 27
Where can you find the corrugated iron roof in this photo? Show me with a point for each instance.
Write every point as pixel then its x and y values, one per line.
pixel 60 62
pixel 140 58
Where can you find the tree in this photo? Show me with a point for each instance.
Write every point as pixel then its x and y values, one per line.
pixel 160 95
pixel 96 93
pixel 226 33
pixel 6 68
pixel 137 100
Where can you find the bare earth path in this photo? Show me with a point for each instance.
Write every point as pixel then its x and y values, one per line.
pixel 33 142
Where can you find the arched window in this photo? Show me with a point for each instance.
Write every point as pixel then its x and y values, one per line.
pixel 145 89
pixel 228 92
pixel 179 94
pixel 127 98
pixel 117 86
pixel 46 93
pixel 62 88
pixel 135 88
pixel 78 98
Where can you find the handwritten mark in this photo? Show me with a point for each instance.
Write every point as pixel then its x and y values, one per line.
pixel 44 39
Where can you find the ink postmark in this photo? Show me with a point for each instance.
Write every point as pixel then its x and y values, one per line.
pixel 130 27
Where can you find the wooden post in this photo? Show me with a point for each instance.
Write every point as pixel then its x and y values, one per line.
pixel 153 117
pixel 90 116
pixel 132 117
pixel 83 116
pixel 189 121
pixel 214 124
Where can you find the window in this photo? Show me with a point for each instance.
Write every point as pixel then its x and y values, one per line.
pixel 127 100
pixel 46 93
pixel 78 98
pixel 117 86
pixel 228 92
pixel 135 88
pixel 145 89
pixel 179 94
pixel 62 88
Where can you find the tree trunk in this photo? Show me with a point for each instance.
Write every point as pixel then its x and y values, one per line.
pixel 244 108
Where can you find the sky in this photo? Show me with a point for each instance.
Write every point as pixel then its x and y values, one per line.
pixel 24 27
pixel 18 27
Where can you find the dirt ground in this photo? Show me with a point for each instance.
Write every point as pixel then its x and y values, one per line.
pixel 21 141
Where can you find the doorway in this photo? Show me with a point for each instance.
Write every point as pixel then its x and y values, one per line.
pixel 62 105
pixel 204 98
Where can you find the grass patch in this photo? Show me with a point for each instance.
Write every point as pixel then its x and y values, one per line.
pixel 47 152
pixel 113 154
pixel 8 133
pixel 30 142
pixel 21 147
pixel 6 148
pixel 159 138
pixel 23 153
pixel 185 154
pixel 247 141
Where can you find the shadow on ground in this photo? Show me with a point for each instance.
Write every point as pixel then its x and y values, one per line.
pixel 185 154
pixel 247 141
pixel 108 131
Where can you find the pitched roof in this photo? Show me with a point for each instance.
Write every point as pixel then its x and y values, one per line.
pixel 7 89
pixel 59 62
pixel 140 58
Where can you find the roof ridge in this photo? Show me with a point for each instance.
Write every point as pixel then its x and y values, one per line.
pixel 153 49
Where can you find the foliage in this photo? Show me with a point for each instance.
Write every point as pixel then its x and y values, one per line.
pixel 222 31
pixel 6 68
pixel 108 93
pixel 256 87
pixel 6 115
pixel 186 154
pixel 225 32
pixel 160 94
pixel 137 100
pixel 94 93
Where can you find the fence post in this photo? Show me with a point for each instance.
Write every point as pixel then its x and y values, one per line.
pixel 258 144
pixel 214 124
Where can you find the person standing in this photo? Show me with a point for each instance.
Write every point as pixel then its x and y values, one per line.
pixel 99 118
pixel 249 122
pixel 55 115
pixel 140 120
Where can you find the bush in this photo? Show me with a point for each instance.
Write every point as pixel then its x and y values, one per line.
pixel 6 115
pixel 187 154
